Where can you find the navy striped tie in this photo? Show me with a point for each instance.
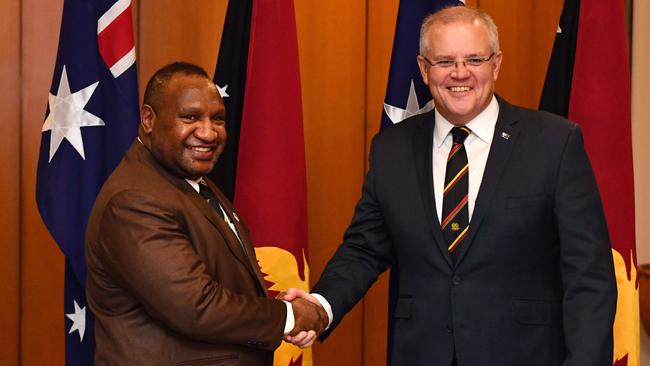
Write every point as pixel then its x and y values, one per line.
pixel 455 213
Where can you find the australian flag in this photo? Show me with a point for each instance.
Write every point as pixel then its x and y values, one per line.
pixel 406 93
pixel 91 119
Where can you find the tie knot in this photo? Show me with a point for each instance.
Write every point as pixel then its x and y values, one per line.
pixel 459 134
pixel 204 190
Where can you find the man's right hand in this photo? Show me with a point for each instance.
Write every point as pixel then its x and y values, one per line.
pixel 310 317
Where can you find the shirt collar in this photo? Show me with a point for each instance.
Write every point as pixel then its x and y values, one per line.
pixel 482 125
pixel 194 183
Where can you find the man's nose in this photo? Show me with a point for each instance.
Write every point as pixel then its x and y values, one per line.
pixel 460 70
pixel 205 130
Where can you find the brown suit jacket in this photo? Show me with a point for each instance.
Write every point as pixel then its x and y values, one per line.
pixel 168 281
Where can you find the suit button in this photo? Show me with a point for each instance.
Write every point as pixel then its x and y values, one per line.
pixel 449 330
pixel 456 281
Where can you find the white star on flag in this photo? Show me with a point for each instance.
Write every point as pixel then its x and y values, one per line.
pixel 78 320
pixel 222 91
pixel 397 114
pixel 67 116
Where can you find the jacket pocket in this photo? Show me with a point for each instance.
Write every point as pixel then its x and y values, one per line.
pixel 525 201
pixel 403 308
pixel 226 360
pixel 538 312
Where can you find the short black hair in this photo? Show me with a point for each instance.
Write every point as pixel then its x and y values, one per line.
pixel 165 73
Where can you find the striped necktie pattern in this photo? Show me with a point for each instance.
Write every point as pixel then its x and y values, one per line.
pixel 455 213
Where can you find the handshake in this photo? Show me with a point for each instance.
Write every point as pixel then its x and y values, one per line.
pixel 310 317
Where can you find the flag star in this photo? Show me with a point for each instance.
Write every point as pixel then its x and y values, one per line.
pixel 397 114
pixel 78 320
pixel 222 91
pixel 67 116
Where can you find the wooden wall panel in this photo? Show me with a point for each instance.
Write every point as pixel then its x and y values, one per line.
pixel 382 17
pixel 10 181
pixel 42 315
pixel 641 126
pixel 331 40
pixel 172 30
pixel 526 31
pixel 640 137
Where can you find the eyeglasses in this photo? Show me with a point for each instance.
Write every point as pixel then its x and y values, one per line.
pixel 468 62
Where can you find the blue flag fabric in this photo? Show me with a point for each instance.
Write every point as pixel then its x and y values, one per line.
pixel 92 118
pixel 406 94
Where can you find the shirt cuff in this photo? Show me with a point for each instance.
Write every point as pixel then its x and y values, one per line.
pixel 328 308
pixel 291 320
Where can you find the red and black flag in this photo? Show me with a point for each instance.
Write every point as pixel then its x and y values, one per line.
pixel 588 81
pixel 230 77
pixel 263 169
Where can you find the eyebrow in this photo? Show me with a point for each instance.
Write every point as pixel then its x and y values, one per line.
pixel 446 57
pixel 190 110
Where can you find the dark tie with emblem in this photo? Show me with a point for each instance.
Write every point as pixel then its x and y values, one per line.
pixel 209 196
pixel 455 212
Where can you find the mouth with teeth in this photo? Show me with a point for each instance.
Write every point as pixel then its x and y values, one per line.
pixel 202 152
pixel 459 89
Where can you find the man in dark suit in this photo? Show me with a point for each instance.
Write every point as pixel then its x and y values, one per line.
pixel 172 274
pixel 489 218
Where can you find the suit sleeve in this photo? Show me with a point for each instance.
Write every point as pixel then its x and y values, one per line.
pixel 147 250
pixel 589 284
pixel 364 254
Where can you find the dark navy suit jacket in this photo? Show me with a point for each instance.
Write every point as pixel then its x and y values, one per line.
pixel 534 281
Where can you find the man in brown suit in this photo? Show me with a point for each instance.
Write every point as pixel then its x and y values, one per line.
pixel 172 275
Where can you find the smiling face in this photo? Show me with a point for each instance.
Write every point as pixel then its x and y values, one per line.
pixel 185 130
pixel 460 92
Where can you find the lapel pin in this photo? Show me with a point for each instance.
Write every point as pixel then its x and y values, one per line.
pixel 505 135
pixel 234 215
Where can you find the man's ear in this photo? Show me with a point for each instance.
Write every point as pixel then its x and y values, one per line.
pixel 423 66
pixel 498 57
pixel 147 118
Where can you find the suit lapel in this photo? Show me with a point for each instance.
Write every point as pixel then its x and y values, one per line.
pixel 211 215
pixel 505 136
pixel 423 153
pixel 239 249
pixel 216 220
pixel 246 242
